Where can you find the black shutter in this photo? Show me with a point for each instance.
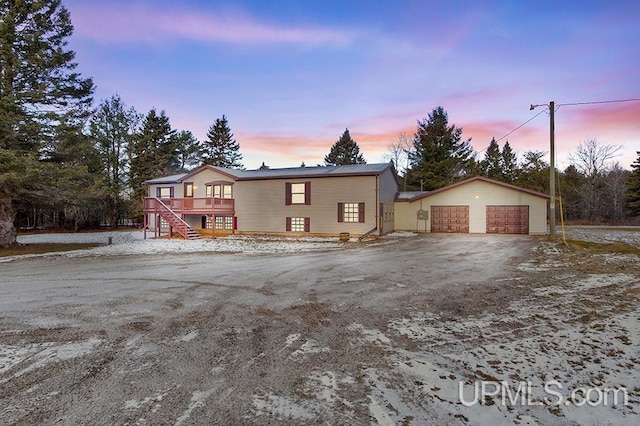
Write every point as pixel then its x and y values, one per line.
pixel 340 212
pixel 287 194
pixel 361 212
pixel 307 193
pixel 288 224
pixel 307 224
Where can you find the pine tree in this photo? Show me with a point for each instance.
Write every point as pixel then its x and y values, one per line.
pixel 534 172
pixel 221 149
pixel 633 191
pixel 187 150
pixel 153 152
pixel 344 151
pixel 113 129
pixel 39 91
pixel 509 164
pixel 440 156
pixel 491 165
pixel 571 183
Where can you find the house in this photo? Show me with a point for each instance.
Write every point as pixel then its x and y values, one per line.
pixel 355 199
pixel 476 205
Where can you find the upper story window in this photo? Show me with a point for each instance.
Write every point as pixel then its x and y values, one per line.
pixel 219 190
pixel 223 191
pixel 164 192
pixel 188 189
pixel 297 193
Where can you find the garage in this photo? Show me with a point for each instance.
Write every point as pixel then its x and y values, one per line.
pixel 507 219
pixel 478 205
pixel 453 219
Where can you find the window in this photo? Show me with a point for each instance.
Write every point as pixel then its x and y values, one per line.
pixel 164 192
pixel 298 224
pixel 209 191
pixel 188 189
pixel 297 193
pixel 351 212
pixel 222 223
pixel 223 191
pixel 163 222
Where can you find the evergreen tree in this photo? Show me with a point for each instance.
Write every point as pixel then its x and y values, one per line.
pixel 509 164
pixel 440 157
pixel 633 191
pixel 570 188
pixel 153 153
pixel 344 151
pixel 534 172
pixel 113 129
pixel 491 165
pixel 39 91
pixel 187 150
pixel 221 149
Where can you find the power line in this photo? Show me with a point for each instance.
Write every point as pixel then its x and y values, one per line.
pixel 566 104
pixel 600 102
pixel 520 126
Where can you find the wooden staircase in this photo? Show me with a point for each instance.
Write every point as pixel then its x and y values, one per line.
pixel 175 221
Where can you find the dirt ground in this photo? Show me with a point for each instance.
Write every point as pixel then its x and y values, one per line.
pixel 385 332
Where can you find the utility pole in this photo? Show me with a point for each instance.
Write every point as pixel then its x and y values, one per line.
pixel 552 173
pixel 552 169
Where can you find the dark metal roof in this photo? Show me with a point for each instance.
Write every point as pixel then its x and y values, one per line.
pixel 166 179
pixel 303 172
pixel 284 173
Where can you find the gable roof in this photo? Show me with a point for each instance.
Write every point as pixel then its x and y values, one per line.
pixel 412 196
pixel 284 173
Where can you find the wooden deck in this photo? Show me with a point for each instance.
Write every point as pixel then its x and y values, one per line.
pixel 184 206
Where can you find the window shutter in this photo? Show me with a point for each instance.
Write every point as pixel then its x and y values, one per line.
pixel 307 224
pixel 288 226
pixel 307 193
pixel 340 212
pixel 171 192
pixel 235 223
pixel 204 222
pixel 361 212
pixel 158 192
pixel 287 193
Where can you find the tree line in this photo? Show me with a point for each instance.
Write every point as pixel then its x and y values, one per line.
pixel 593 188
pixel 64 163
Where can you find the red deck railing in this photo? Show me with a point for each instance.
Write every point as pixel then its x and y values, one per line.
pixel 192 205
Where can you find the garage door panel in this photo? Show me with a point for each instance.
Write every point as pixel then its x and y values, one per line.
pixel 454 219
pixel 507 219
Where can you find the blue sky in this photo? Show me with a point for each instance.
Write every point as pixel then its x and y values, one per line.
pixel 291 75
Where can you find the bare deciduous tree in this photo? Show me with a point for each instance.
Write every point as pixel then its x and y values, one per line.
pixel 399 150
pixel 593 159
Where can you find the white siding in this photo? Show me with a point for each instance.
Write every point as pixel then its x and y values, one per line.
pixel 260 204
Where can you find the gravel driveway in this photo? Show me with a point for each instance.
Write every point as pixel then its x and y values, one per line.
pixel 386 332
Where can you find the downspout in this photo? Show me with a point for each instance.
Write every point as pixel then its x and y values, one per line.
pixel 377 224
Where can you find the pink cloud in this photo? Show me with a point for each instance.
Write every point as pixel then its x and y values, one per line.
pixel 141 23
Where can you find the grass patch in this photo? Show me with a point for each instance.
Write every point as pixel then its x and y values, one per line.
pixel 41 248
pixel 617 247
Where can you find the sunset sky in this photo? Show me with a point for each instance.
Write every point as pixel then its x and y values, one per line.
pixel 291 75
